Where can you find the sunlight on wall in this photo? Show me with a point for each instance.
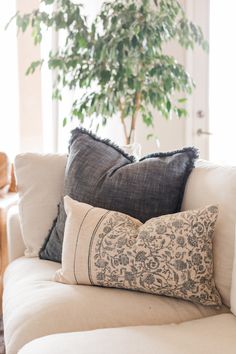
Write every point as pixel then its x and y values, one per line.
pixel 222 81
pixel 9 141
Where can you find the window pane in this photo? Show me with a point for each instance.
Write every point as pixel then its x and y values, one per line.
pixel 91 8
pixel 9 130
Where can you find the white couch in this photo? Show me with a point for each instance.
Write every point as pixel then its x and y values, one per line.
pixel 35 306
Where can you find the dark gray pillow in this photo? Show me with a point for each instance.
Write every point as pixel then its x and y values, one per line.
pixel 101 174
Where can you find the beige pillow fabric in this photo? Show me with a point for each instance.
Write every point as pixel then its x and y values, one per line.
pixel 40 180
pixel 170 255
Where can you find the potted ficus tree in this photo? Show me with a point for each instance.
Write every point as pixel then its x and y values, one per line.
pixel 118 64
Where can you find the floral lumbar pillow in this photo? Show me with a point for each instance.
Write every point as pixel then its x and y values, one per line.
pixel 168 255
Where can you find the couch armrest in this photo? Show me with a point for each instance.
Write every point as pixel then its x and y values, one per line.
pixel 16 246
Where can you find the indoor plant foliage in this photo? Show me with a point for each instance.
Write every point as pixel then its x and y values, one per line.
pixel 118 64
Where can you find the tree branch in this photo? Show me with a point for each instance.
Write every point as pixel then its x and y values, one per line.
pixel 122 119
pixel 135 116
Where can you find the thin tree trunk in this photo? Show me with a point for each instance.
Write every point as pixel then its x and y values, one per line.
pixel 135 116
pixel 122 118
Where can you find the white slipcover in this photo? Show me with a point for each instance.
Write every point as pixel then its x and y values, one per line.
pixel 214 335
pixel 233 287
pixel 35 306
pixel 214 184
pixel 15 244
pixel 40 180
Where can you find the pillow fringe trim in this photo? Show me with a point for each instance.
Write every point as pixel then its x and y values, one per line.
pixel 108 142
pixel 194 152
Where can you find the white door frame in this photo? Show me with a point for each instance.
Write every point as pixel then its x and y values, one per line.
pixel 197 64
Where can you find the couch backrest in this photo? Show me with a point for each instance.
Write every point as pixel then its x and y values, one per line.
pixel 207 184
pixel 40 180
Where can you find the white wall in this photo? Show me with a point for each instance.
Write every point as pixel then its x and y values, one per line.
pixel 30 107
pixel 171 133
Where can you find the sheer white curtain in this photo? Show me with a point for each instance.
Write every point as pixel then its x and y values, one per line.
pixel 9 106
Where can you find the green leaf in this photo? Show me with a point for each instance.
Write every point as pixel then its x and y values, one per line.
pixel 205 46
pixel 148 119
pixel 64 122
pixel 57 95
pixel 132 8
pixel 131 82
pixel 149 136
pixel 134 41
pixel 82 42
pixel 168 83
pixel 105 76
pixel 182 100
pixel 168 106
pixel 114 20
pixel 33 66
pixel 49 2
pixel 181 112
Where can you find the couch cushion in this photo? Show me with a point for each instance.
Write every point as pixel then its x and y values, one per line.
pixel 214 335
pixel 101 174
pixel 214 184
pixel 35 306
pixel 40 180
